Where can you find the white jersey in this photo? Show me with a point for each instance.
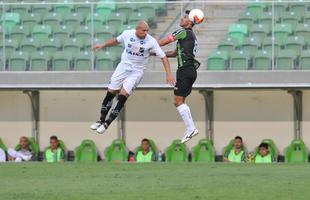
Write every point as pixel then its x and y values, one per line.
pixel 136 50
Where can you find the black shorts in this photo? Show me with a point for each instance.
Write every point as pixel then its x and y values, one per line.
pixel 186 76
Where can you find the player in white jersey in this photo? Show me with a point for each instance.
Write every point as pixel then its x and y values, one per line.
pixel 129 72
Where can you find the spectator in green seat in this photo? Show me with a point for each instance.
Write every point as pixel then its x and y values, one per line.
pixel 146 154
pixel 2 155
pixel 263 155
pixel 54 153
pixel 24 153
pixel 237 153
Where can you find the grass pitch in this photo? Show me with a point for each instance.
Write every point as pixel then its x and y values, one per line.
pixel 74 181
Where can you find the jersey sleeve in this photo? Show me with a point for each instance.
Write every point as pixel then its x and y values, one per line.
pixel 159 52
pixel 122 37
pixel 177 35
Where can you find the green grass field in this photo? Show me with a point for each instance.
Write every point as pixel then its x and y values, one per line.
pixel 188 181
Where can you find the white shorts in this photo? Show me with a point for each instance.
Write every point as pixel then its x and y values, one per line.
pixel 126 75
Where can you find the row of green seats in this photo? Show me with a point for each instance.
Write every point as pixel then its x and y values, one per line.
pixel 261 60
pixel 60 61
pixel 53 20
pixel 51 46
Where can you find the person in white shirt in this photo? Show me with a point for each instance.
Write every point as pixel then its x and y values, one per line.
pixel 2 155
pixel 24 154
pixel 129 72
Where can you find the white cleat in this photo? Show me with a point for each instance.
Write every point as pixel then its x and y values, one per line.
pixel 96 125
pixel 102 128
pixel 189 135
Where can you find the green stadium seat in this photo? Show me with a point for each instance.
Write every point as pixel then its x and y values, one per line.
pixel 104 33
pixel 105 8
pixel 269 43
pixel 251 45
pixel 51 46
pixel 259 31
pixel 83 61
pixel 247 18
pixel 62 61
pixel 86 152
pixel 105 61
pixel 291 18
pixel 29 45
pixel 64 7
pixel 239 60
pixel 3 146
pixel 73 45
pixel 116 19
pixel 73 20
pixel 228 44
pixel 83 33
pixel 83 10
pixel 19 33
pixel 297 152
pixel 18 61
pixel 286 59
pixel 52 19
pixel 10 19
pixel 295 43
pixel 41 32
pixel 298 7
pixel 62 33
pixel 41 9
pixel 117 50
pixel 126 8
pixel 39 61
pixel 280 7
pixel 97 19
pixel 256 8
pixel 217 60
pixel 304 60
pixel 34 146
pixel 30 20
pixel 238 31
pixel 282 31
pixel 21 9
pixel 262 60
pixel 10 46
pixel 203 152
pixel 148 10
pixel 136 17
pixel 125 27
pixel 272 148
pixel 116 152
pixel 303 30
pixel 177 152
pixel 267 19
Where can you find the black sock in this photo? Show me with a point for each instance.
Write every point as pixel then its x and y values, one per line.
pixel 121 100
pixel 106 105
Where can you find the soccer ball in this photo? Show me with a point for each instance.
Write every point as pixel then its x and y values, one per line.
pixel 196 16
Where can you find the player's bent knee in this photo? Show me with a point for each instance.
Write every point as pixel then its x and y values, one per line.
pixel 178 101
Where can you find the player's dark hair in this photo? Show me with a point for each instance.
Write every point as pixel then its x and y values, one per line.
pixel 238 138
pixel 187 12
pixel 54 137
pixel 264 145
pixel 146 140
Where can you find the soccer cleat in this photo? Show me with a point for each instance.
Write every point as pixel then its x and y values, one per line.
pixel 96 125
pixel 102 128
pixel 189 135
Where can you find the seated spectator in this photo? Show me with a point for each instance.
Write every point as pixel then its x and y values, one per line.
pixel 54 153
pixel 2 155
pixel 24 154
pixel 263 155
pixel 236 154
pixel 146 154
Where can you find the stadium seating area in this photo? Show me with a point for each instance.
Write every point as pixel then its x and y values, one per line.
pixel 296 152
pixel 58 36
pixel 263 31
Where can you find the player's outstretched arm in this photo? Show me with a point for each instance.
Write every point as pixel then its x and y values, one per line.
pixel 108 43
pixel 171 54
pixel 169 77
pixel 166 40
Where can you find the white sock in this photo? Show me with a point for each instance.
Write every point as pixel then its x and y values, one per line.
pixel 185 113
